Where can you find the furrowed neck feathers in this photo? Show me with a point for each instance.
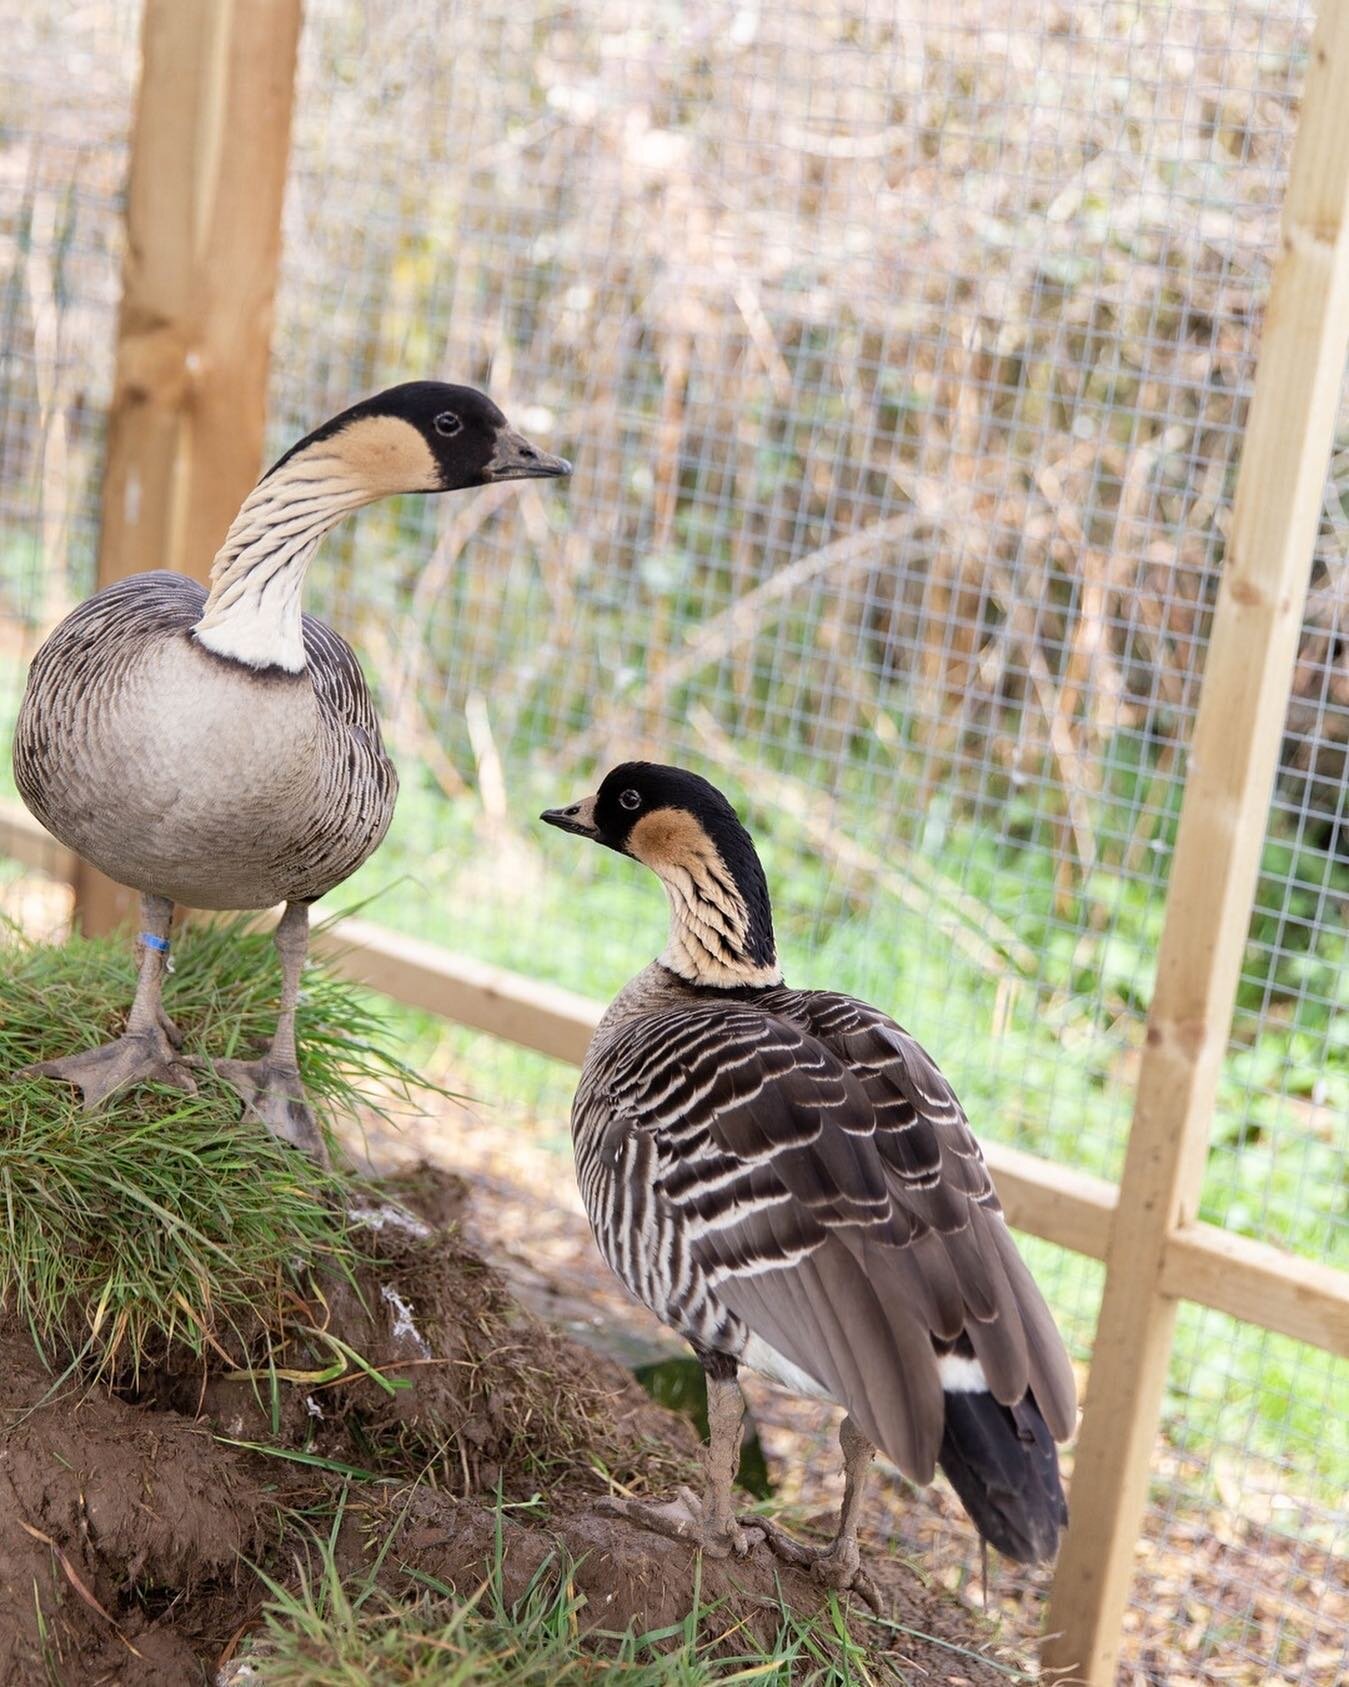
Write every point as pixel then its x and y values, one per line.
pixel 721 920
pixel 253 612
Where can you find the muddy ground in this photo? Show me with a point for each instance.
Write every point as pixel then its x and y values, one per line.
pixel 130 1518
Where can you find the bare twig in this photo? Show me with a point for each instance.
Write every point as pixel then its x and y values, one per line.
pixel 747 618
pixel 918 885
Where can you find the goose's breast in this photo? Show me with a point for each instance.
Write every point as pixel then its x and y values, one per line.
pixel 185 775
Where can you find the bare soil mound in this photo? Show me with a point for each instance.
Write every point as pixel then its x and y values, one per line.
pixel 109 1517
pixel 131 1518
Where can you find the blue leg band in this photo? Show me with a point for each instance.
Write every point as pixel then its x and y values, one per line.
pixel 161 944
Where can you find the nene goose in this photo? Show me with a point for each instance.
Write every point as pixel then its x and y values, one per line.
pixel 786 1179
pixel 220 749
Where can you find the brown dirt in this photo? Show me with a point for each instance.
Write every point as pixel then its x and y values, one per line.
pixel 482 1384
pixel 631 1578
pixel 109 1517
pixel 127 1525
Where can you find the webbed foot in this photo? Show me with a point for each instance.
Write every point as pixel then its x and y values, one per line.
pixel 685 1518
pixel 147 1056
pixel 273 1094
pixel 838 1565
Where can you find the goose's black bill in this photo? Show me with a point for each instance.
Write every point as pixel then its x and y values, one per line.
pixel 516 459
pixel 578 817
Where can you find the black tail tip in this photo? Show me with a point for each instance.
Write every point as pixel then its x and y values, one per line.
pixel 1003 1464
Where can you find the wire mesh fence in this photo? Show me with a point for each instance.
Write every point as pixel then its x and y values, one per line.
pixel 65 107
pixel 904 353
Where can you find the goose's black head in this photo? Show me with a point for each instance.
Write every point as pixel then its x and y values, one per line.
pixel 687 833
pixel 425 436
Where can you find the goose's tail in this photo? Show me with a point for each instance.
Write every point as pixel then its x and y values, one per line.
pixel 1002 1462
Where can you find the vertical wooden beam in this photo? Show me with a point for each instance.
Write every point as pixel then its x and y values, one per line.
pixel 209 152
pixel 1213 877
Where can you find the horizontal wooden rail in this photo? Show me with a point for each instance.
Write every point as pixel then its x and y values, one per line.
pixel 536 1016
pixel 1259 1284
pixel 1071 1208
pixel 1248 1280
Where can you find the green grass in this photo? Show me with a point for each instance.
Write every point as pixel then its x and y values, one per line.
pixel 165 1218
pixel 322 1629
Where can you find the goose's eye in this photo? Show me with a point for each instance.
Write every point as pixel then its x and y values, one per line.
pixel 448 424
pixel 630 800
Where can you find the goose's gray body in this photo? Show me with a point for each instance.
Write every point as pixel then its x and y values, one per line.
pixel 189 776
pixel 220 748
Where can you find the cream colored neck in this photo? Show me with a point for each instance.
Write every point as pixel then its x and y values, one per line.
pixel 253 612
pixel 709 927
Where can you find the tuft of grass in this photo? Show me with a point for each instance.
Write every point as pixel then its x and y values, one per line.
pixel 166 1218
pixel 324 1629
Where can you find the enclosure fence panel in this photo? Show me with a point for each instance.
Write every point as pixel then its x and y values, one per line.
pixel 1231 764
pixel 203 214
pixel 904 354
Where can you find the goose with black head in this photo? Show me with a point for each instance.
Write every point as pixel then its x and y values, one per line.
pixel 220 748
pixel 787 1180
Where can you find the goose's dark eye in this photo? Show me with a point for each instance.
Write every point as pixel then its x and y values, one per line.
pixel 630 800
pixel 448 424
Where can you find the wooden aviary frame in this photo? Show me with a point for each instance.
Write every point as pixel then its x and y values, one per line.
pixel 1229 779
pixel 210 157
pixel 209 151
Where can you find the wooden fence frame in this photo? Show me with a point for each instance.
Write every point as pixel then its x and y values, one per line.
pixel 210 147
pixel 191 387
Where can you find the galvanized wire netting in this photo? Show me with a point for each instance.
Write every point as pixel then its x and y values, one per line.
pixel 904 354
pixel 65 93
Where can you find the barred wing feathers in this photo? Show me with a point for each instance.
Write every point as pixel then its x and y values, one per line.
pixel 921 1129
pixel 359 783
pixel 815 1176
pixel 339 683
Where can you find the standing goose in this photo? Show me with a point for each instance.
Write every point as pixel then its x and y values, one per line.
pixel 221 749
pixel 786 1179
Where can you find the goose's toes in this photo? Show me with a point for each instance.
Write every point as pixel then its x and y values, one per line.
pixel 838 1565
pixel 170 1030
pixel 684 1519
pixel 784 1546
pixel 843 1571
pixel 273 1094
pixel 137 1057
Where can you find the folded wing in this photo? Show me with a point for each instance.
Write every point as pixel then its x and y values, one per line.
pixel 820 1176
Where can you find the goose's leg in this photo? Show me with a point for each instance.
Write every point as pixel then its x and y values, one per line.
pixel 271 1087
pixel 838 1565
pixel 709 1522
pixel 147 1051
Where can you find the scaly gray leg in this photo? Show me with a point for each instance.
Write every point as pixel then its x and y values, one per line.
pixel 838 1565
pixel 709 1522
pixel 271 1087
pixel 147 1051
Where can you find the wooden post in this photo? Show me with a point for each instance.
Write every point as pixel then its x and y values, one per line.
pixel 209 154
pixel 1213 877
